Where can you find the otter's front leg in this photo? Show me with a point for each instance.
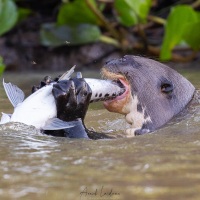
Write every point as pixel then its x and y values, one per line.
pixel 72 100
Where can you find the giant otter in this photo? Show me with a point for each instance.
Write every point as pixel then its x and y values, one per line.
pixel 154 94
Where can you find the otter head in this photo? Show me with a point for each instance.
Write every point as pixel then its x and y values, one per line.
pixel 154 93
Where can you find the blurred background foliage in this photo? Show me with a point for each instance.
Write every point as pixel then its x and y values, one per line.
pixel 2 65
pixel 163 28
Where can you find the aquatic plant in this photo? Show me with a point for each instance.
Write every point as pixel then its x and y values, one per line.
pixel 124 24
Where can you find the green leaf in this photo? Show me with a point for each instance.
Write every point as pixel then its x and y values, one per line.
pixel 126 15
pixel 76 12
pixel 179 18
pixel 141 7
pixel 53 35
pixel 8 15
pixel 131 12
pixel 192 35
pixel 23 13
pixel 2 66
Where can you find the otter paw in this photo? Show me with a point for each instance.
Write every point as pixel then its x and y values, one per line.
pixel 72 98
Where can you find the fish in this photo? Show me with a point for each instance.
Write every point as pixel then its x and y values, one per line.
pixel 103 90
pixel 39 108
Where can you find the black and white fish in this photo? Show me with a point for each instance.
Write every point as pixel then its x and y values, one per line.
pixel 39 108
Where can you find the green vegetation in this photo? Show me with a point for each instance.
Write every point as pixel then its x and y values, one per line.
pixel 132 12
pixel 2 66
pixel 182 25
pixel 84 21
pixel 7 20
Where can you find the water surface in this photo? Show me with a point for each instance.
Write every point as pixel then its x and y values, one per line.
pixel 162 165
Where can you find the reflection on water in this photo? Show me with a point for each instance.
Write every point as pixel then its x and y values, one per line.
pixel 162 165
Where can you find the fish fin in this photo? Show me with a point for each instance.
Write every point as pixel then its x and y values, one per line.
pixel 57 124
pixel 67 74
pixel 15 94
pixel 5 118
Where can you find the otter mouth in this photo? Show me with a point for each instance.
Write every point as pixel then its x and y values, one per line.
pixel 121 81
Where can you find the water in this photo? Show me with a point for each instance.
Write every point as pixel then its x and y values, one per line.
pixel 162 165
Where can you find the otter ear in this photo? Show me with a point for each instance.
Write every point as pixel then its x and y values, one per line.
pixel 167 87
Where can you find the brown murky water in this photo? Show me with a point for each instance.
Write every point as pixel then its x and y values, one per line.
pixel 162 165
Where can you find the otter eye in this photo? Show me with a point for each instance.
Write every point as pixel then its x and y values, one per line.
pixel 167 87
